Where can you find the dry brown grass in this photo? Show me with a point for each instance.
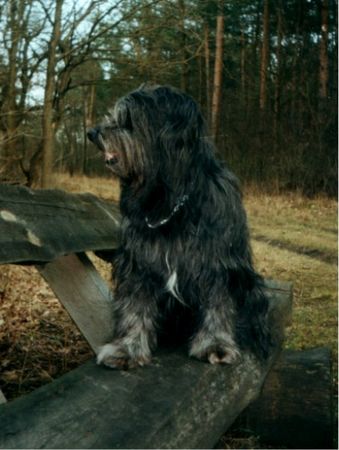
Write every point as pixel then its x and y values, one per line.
pixel 296 225
pixel 106 188
pixel 39 342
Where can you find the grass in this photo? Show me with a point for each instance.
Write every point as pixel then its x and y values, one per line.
pixel 304 237
pixel 293 239
pixel 106 188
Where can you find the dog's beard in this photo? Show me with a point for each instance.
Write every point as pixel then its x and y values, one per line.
pixel 111 156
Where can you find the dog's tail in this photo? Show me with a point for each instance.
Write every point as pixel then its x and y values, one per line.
pixel 252 328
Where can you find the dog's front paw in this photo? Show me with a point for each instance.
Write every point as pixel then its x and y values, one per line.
pixel 220 354
pixel 116 356
pixel 215 353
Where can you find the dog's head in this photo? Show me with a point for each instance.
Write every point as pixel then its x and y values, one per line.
pixel 153 131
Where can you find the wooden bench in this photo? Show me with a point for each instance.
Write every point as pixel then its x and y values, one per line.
pixel 176 402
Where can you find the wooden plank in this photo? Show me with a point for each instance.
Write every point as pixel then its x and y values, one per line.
pixel 40 225
pixel 84 294
pixel 176 402
pixel 294 409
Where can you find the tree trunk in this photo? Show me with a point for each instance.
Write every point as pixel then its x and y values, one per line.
pixel 184 82
pixel 48 124
pixel 253 62
pixel 242 67
pixel 10 158
pixel 323 56
pixel 89 99
pixel 207 73
pixel 218 66
pixel 11 99
pixel 277 84
pixel 264 58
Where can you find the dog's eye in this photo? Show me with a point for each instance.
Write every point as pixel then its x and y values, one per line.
pixel 122 115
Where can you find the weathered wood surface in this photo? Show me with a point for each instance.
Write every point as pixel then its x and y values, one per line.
pixel 176 402
pixel 294 409
pixel 84 294
pixel 40 225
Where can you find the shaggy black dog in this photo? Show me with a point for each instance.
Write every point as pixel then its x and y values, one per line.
pixel 184 267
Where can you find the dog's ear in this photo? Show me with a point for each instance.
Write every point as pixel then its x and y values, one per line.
pixel 177 150
pixel 183 127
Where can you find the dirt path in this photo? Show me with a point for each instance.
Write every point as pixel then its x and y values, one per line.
pixel 330 258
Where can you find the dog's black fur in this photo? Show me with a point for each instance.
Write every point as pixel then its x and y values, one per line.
pixel 184 266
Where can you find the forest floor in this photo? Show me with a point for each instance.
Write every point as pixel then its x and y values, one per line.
pixel 293 238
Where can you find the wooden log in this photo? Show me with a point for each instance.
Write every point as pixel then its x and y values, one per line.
pixel 40 225
pixel 294 409
pixel 176 402
pixel 84 294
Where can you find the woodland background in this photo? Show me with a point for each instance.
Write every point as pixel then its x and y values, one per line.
pixel 265 75
pixel 263 71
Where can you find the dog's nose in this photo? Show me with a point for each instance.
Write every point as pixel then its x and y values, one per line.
pixel 92 134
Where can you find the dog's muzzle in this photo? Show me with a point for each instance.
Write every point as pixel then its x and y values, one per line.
pixel 111 158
